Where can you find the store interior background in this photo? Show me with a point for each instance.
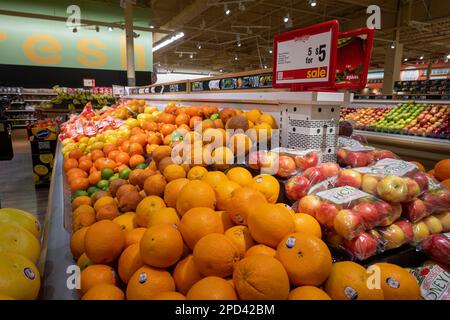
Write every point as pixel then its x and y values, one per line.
pixel 39 49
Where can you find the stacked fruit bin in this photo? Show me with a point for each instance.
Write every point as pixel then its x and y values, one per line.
pixel 133 214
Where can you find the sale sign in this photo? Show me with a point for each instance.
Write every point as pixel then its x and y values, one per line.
pixel 306 57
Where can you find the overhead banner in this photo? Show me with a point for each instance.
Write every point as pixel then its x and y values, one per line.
pixel 38 42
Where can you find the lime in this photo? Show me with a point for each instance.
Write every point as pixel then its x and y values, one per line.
pixel 92 190
pixel 107 173
pixel 114 177
pixel 79 193
pixel 141 166
pixel 124 173
pixel 103 184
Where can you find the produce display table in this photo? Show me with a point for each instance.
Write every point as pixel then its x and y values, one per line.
pixel 56 256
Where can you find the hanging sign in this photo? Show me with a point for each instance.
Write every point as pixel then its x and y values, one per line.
pixel 306 58
pixel 353 58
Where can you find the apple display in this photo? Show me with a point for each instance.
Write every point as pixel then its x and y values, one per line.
pixel 297 187
pixel 407 228
pixel 349 177
pixel 314 175
pixel 413 189
pixel 392 189
pixel 437 247
pixel 347 224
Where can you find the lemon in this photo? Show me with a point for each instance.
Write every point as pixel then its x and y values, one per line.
pixel 46 158
pixel 19 277
pixel 36 178
pixel 22 218
pixel 83 140
pixel 40 170
pixel 131 122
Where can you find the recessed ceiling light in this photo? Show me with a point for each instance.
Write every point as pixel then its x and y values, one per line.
pixel 110 28
pixel 225 8
pixel 406 59
pixel 270 51
pixel 220 70
pixel 448 56
pixel 191 56
pixel 199 46
pixel 312 3
pixel 235 57
pixel 152 26
pixel 393 45
pixel 421 58
pixel 286 19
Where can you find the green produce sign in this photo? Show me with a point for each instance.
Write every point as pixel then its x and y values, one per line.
pixel 37 42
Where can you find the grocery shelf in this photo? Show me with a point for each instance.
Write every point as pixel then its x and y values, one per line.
pixel 423 149
pixel 17 102
pixel 56 256
pixel 14 111
pixel 36 100
pixel 27 119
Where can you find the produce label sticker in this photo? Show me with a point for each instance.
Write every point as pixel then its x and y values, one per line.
pixel 433 184
pixel 434 282
pixel 353 145
pixel 395 167
pixel 342 195
pixel 323 185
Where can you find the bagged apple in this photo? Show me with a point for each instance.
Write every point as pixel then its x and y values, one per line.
pixel 291 161
pixel 437 198
pixel 311 180
pixel 352 153
pixel 437 247
pixel 346 210
pixel 397 234
pixel 366 245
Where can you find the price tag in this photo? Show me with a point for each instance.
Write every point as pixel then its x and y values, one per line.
pixel 306 57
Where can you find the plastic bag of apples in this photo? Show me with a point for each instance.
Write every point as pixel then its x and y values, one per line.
pixel 348 211
pixel 354 154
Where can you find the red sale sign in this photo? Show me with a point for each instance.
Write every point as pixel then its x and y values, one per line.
pixel 306 58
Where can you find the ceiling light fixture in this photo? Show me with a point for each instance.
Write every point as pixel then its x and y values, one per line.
pixel 110 28
pixel 270 51
pixel 236 57
pixel 152 26
pixel 168 41
pixel 199 46
pixel 406 59
pixel 136 35
pixel 220 70
pixel 74 30
pixel 393 45
pixel 448 56
pixel 238 40
pixel 312 3
pixel 286 18
pixel 265 67
pixel 191 56
pixel 421 58
pixel 225 8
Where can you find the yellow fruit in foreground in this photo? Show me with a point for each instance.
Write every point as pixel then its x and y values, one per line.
pixel 397 283
pixel 5 297
pixel 19 277
pixel 240 175
pixel 15 239
pixel 22 218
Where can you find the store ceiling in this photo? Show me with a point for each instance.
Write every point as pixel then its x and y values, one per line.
pixel 424 27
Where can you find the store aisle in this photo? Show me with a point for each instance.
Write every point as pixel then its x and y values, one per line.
pixel 16 180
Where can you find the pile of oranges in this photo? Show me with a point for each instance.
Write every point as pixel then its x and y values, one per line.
pixel 179 231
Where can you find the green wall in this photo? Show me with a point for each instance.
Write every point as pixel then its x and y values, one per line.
pixel 29 41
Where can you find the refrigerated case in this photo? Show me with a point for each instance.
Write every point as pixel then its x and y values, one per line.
pixel 427 150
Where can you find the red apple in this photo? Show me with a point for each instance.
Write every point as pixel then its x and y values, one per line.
pixel 349 177
pixel 308 161
pixel 254 159
pixel 413 189
pixel 407 228
pixel 357 159
pixel 363 246
pixel 421 178
pixel 309 204
pixel 342 156
pixel 392 189
pixel 326 214
pixel 297 187
pixel 368 214
pixel 329 169
pixel 314 175
pixel 384 154
pixel 286 166
pixel 415 210
pixel 437 247
pixel 347 224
